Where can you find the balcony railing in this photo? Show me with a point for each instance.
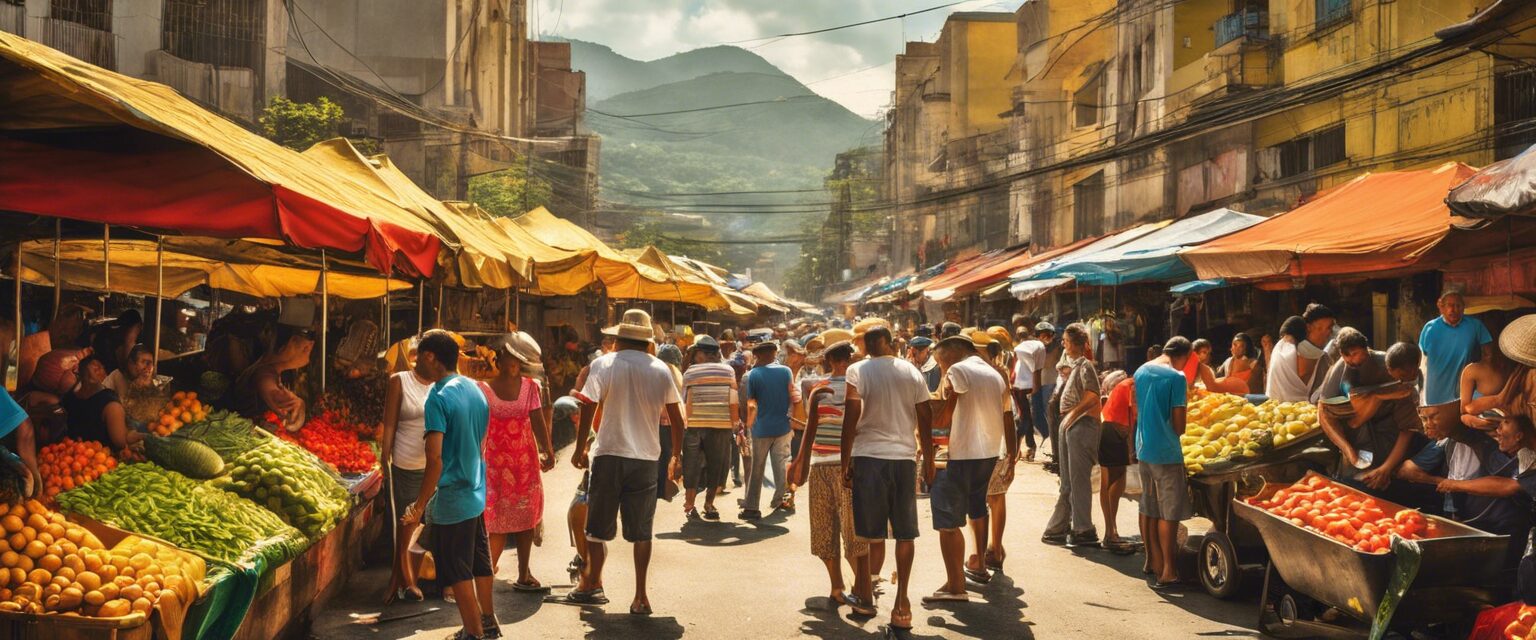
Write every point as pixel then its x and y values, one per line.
pixel 1244 24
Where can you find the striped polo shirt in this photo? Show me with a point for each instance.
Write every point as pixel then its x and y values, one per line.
pixel 829 411
pixel 708 393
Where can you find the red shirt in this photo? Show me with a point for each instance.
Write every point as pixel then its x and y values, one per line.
pixel 1118 409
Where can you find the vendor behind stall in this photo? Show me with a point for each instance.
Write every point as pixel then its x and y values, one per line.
pixel 1367 408
pixel 95 413
pixel 260 388
pixel 1460 457
pixel 113 340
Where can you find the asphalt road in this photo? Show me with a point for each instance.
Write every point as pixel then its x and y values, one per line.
pixel 735 580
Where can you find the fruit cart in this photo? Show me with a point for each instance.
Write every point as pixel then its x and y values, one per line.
pixel 1318 587
pixel 1233 546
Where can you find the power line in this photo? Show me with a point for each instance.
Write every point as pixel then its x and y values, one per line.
pixel 847 26
pixel 780 100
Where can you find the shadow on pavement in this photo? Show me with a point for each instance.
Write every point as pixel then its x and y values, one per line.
pixel 1190 596
pixel 623 625
pixel 723 534
pixel 996 610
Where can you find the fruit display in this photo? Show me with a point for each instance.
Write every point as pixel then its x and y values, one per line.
pixel 70 463
pixel 289 482
pixel 1222 428
pixel 1353 519
pixel 193 515
pixel 51 565
pixel 334 444
pixel 185 456
pixel 355 402
pixel 183 409
pixel 228 434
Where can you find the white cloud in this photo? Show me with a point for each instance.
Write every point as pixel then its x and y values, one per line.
pixel 862 56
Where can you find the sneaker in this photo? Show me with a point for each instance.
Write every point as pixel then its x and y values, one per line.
pixel 1089 539
pixel 490 629
pixel 691 513
pixel 1054 539
pixel 749 515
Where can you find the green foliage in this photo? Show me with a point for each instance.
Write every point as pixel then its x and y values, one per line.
pixel 821 263
pixel 650 233
pixel 510 192
pixel 299 125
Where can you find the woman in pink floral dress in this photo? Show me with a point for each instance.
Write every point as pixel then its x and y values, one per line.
pixel 517 449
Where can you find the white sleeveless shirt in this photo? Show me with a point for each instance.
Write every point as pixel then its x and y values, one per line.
pixel 410 449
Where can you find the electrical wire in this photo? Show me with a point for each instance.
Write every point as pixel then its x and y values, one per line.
pixel 847 26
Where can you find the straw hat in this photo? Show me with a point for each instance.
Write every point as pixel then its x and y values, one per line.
pixel 980 339
pixel 522 346
pixel 864 326
pixel 635 325
pixel 1518 340
pixel 834 336
pixel 1000 334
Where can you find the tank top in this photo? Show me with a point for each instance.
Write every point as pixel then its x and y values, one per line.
pixel 829 411
pixel 411 429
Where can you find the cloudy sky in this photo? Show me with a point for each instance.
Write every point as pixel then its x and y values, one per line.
pixel 852 66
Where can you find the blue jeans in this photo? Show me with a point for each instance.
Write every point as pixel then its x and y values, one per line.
pixel 1037 401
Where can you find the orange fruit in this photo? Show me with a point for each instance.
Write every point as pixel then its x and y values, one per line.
pixel 35 549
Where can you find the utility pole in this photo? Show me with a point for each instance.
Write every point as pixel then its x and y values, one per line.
pixel 844 229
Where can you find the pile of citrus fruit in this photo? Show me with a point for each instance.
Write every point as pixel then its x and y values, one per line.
pixel 71 463
pixel 183 409
pixel 51 565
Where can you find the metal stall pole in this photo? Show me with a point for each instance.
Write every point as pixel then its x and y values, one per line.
pixel 106 265
pixel 58 276
pixel 159 294
pixel 421 305
pixel 17 365
pixel 439 323
pixel 506 310
pixel 325 316
pixel 388 320
pixel 517 308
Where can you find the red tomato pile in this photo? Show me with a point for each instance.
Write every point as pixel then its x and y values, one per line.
pixel 337 446
pixel 1341 514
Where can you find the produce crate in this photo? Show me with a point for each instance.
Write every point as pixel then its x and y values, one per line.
pixel 26 626
pixel 166 625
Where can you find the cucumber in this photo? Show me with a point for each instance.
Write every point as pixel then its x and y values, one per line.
pixel 188 457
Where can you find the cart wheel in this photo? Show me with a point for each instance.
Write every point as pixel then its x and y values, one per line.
pixel 1219 572
pixel 1287 610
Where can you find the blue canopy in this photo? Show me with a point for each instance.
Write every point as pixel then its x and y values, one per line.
pixel 1197 286
pixel 1154 255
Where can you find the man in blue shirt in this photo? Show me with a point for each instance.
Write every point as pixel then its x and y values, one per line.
pixel 453 486
pixel 1160 398
pixel 768 390
pixel 1450 342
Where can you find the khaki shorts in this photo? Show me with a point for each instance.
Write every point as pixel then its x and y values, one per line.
pixel 1165 492
pixel 832 513
pixel 997 486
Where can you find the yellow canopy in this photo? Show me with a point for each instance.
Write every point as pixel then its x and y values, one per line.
pixel 690 287
pixel 134 270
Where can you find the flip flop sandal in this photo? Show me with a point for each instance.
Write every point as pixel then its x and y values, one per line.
pixel 640 610
pixel 712 515
pixel 993 564
pixel 858 607
pixel 530 588
pixel 978 576
pixel 944 596
pixel 1165 586
pixel 691 513
pixel 580 598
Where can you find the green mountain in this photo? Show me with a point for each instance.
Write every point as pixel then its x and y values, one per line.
pixel 715 120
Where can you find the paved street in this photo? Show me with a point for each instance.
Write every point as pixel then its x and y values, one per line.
pixel 731 580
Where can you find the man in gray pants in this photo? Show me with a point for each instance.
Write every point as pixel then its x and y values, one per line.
pixel 769 393
pixel 1079 445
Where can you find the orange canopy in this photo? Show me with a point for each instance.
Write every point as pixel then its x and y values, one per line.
pixel 1376 222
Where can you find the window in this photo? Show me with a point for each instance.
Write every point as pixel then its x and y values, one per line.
pixel 1088 207
pixel 1514 107
pixel 1330 12
pixel 1040 220
pixel 1312 151
pixel 226 33
pixel 1087 99
pixel 96 14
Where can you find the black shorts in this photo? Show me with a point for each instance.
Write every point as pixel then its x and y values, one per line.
pixel 621 486
pixel 461 551
pixel 885 498
pixel 1114 447
pixel 706 457
pixel 959 492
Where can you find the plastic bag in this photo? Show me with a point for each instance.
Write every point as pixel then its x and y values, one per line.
pixel 1132 484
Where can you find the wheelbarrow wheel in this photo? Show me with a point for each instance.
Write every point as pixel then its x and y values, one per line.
pixel 1219 572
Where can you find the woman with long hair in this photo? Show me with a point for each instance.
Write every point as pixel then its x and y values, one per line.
pixel 1236 374
pixel 517 450
pixel 403 445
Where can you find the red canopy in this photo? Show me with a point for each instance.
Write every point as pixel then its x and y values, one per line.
pixel 67 153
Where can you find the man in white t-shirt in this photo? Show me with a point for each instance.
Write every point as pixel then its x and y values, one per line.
pixel 887 403
pixel 1029 367
pixel 634 388
pixel 976 411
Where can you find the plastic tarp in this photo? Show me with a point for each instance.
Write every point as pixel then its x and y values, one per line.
pixel 956 270
pixel 479 261
pixel 1197 286
pixel 688 287
pixel 1506 187
pixel 1153 256
pixel 135 268
pixel 1031 289
pixel 1376 222
pixel 1028 269
pixel 978 276
pixel 173 165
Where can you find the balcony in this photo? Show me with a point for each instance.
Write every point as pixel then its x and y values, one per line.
pixel 90 45
pixel 1251 24
pixel 229 90
pixel 1231 68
